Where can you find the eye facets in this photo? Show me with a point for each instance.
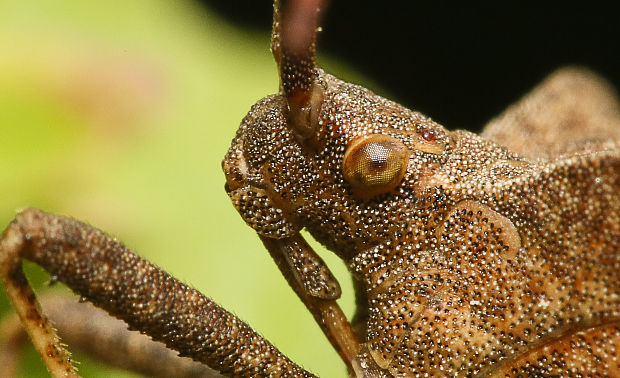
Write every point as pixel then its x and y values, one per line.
pixel 375 164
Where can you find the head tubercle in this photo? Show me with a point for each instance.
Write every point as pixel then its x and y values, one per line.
pixel 328 155
pixel 361 157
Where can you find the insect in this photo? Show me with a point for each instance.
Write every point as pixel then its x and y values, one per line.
pixel 438 260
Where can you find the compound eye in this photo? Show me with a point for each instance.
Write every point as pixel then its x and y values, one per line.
pixel 375 164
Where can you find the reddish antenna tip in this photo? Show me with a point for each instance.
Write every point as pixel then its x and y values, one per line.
pixel 294 43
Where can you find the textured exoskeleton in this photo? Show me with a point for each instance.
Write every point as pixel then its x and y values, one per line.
pixel 472 255
pixel 492 254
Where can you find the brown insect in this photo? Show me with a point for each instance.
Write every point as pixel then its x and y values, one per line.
pixel 491 255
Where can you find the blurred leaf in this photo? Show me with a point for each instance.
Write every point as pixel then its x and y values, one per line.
pixel 119 113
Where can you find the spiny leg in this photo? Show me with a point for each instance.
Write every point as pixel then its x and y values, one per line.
pixel 43 336
pixel 103 271
pixel 92 331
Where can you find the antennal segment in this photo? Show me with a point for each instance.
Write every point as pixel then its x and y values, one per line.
pixel 293 43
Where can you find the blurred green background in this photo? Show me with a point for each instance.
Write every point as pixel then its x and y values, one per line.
pixel 119 113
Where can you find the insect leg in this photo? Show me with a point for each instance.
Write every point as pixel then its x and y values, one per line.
pixel 105 272
pixel 92 331
pixel 326 312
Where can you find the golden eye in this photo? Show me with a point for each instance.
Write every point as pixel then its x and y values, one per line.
pixel 374 164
